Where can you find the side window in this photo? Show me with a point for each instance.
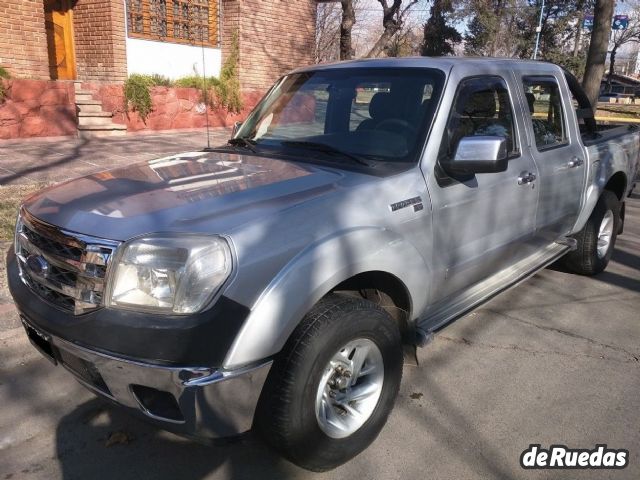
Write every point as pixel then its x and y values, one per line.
pixel 545 107
pixel 482 107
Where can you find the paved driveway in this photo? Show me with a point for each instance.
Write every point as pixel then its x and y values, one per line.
pixel 553 361
pixel 57 160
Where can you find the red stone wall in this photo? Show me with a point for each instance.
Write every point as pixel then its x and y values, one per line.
pixel 173 108
pixel 38 108
pixel 23 38
pixel 100 40
pixel 275 37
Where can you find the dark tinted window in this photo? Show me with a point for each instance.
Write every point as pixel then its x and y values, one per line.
pixel 482 107
pixel 545 110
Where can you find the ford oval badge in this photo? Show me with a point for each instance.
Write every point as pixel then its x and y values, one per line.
pixel 38 265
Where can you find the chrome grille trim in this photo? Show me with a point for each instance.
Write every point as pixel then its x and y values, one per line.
pixel 78 264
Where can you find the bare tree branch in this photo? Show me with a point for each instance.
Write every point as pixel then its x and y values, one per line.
pixel 392 20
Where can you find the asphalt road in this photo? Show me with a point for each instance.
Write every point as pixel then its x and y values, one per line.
pixel 553 361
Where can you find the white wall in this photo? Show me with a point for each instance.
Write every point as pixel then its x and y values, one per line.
pixel 173 60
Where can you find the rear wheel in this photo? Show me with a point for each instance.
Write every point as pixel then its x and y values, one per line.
pixel 331 389
pixel 597 239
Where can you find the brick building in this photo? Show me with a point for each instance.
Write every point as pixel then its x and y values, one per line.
pixel 106 40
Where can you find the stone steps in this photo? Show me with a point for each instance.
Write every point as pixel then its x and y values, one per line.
pixel 92 120
pixel 84 95
pixel 90 107
pixel 113 130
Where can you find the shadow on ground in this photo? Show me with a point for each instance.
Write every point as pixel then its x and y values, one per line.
pixel 143 451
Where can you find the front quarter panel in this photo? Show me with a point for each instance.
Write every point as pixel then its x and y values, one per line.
pixel 312 274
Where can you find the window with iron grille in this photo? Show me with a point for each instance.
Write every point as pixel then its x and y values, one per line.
pixel 180 21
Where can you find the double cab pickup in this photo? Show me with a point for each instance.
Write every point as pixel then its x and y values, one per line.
pixel 274 282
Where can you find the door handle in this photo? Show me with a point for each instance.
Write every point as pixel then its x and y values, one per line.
pixel 575 162
pixel 526 177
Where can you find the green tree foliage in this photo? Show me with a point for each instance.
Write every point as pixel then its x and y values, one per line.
pixel 492 27
pixel 507 28
pixel 440 37
pixel 575 64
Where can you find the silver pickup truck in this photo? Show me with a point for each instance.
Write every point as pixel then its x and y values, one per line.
pixel 276 282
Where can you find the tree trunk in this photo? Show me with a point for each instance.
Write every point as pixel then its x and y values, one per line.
pixel 392 20
pixel 348 21
pixel 612 62
pixel 383 41
pixel 597 55
pixel 576 46
pixel 581 17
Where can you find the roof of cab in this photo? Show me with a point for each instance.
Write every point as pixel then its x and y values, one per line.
pixel 442 63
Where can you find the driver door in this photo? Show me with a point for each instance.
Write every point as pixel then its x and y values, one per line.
pixel 485 222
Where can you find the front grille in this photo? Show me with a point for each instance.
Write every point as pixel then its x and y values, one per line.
pixel 66 269
pixel 49 245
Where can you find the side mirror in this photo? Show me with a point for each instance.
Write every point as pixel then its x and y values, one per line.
pixel 236 127
pixel 479 155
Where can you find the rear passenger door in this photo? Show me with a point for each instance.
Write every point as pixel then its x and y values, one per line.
pixel 558 154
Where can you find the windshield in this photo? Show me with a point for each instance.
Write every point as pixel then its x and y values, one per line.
pixel 347 115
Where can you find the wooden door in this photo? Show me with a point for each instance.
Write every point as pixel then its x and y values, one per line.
pixel 59 23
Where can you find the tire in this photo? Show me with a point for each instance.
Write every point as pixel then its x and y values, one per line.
pixel 586 259
pixel 291 408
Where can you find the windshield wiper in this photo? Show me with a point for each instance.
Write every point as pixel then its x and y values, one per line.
pixel 325 148
pixel 243 142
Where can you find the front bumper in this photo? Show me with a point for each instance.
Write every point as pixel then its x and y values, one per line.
pixel 195 402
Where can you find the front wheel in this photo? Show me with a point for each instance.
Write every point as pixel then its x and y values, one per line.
pixel 331 389
pixel 597 239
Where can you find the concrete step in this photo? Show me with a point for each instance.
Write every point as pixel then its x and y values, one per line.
pixel 109 126
pixel 94 121
pixel 92 108
pixel 94 113
pixel 88 102
pixel 80 95
pixel 77 85
pixel 92 131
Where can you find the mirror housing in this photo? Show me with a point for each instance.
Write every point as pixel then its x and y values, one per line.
pixel 481 154
pixel 236 127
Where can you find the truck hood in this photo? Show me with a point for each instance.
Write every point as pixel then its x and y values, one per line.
pixel 207 192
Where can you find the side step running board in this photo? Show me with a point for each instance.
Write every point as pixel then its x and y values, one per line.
pixel 572 243
pixel 423 337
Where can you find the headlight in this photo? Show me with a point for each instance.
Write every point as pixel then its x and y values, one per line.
pixel 169 274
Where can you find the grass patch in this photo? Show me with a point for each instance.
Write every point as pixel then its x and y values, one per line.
pixel 618 110
pixel 10 199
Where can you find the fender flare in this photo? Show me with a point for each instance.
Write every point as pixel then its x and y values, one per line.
pixel 603 171
pixel 313 273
